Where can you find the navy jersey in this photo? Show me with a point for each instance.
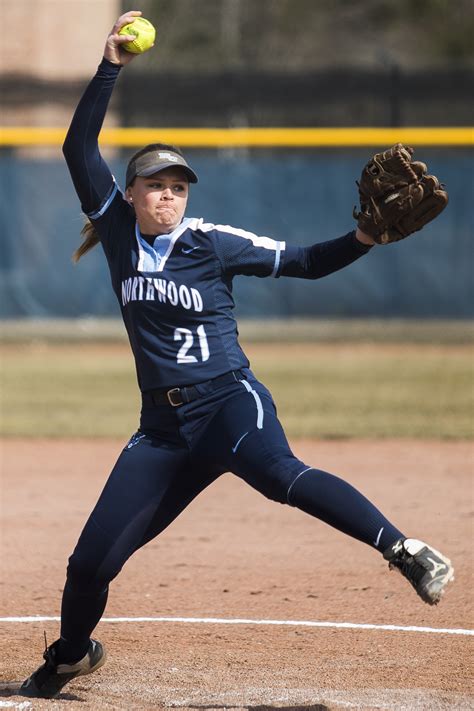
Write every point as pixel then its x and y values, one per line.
pixel 177 302
pixel 179 317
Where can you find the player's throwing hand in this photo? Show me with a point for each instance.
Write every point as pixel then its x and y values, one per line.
pixel 113 50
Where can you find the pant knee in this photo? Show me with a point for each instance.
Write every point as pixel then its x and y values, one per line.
pixel 276 478
pixel 291 493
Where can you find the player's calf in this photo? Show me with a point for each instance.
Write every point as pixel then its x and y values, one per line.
pixel 424 567
pixel 48 680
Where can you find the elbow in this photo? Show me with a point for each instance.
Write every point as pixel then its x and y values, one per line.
pixel 73 143
pixel 313 270
pixel 66 147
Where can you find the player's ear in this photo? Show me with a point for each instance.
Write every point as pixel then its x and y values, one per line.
pixel 128 195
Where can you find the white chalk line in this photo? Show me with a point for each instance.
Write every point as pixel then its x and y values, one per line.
pixel 281 623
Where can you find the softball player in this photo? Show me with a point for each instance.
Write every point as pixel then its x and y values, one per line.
pixel 203 411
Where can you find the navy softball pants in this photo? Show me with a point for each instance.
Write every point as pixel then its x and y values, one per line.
pixel 176 454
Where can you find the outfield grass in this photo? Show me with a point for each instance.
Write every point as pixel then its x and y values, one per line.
pixel 371 390
pixel 324 391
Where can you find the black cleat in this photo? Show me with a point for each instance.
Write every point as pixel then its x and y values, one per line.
pixel 48 680
pixel 424 567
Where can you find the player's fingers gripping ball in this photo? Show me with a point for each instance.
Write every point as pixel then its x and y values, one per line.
pixel 144 33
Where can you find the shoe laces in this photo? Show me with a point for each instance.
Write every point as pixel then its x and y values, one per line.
pixel 48 654
pixel 410 567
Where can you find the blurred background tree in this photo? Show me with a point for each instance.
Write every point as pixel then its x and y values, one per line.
pixel 305 63
pixel 302 35
pixel 250 62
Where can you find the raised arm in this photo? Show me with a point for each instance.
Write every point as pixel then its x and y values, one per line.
pixel 91 176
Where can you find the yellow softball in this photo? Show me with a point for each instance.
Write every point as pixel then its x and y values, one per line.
pixel 144 35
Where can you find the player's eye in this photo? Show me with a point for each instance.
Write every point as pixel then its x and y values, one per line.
pixel 179 188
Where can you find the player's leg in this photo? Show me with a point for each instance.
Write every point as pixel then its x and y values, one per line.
pixel 149 486
pixel 254 445
pixel 425 568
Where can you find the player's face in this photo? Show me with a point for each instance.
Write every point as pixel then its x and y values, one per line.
pixel 159 200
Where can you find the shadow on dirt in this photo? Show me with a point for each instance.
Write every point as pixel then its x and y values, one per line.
pixel 314 707
pixel 12 688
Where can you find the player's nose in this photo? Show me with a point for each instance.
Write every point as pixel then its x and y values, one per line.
pixel 167 194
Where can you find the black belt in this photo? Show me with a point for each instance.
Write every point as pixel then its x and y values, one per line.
pixel 179 396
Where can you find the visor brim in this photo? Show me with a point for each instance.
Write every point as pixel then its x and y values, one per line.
pixel 146 172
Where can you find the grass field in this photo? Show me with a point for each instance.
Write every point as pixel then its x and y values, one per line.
pixel 329 390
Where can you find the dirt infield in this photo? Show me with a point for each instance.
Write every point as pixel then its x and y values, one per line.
pixel 233 554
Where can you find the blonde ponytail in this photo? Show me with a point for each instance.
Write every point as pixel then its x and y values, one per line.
pixel 90 239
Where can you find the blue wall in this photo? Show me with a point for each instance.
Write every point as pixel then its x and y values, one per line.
pixel 298 196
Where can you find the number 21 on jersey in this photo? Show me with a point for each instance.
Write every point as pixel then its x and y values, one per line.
pixel 186 335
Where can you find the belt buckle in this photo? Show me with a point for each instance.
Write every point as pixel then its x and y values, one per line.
pixel 170 394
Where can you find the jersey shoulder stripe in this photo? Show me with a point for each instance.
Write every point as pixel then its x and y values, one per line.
pixel 107 201
pixel 266 243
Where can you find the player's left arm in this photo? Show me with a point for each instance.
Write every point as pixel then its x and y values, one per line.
pixel 324 258
pixel 243 252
